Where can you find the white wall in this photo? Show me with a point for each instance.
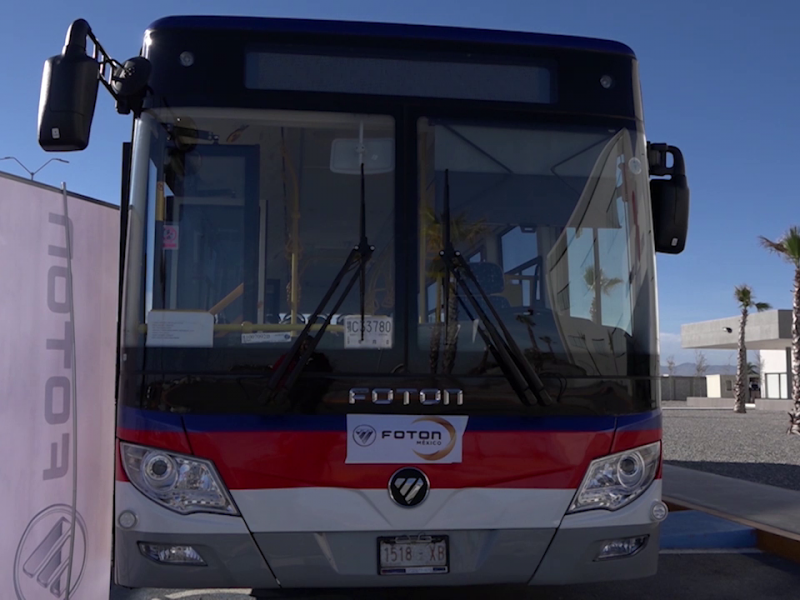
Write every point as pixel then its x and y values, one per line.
pixel 713 386
pixel 720 386
pixel 775 376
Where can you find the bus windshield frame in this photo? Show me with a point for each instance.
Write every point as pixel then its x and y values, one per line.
pixel 632 379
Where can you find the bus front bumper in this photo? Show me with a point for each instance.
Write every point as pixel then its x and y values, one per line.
pixel 233 557
pixel 304 561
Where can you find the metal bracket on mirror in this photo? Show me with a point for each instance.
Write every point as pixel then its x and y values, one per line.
pixel 657 158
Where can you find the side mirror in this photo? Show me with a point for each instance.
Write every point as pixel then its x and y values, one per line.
pixel 669 199
pixel 68 94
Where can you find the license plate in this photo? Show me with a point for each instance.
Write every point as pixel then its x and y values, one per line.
pixel 377 332
pixel 413 556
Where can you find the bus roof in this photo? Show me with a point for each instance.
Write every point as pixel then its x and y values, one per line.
pixel 392 30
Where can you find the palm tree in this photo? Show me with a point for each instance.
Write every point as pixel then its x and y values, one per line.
pixel 597 286
pixel 752 370
pixel 744 296
pixel 549 341
pixel 788 247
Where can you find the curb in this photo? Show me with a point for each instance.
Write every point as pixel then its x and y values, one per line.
pixel 696 530
pixel 767 539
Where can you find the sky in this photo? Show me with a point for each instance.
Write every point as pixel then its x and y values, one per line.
pixel 720 80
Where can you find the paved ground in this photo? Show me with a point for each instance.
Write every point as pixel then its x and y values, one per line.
pixel 681 576
pixel 753 446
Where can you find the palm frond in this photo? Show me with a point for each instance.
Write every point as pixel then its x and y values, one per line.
pixel 762 306
pixel 589 277
pixel 776 247
pixel 791 241
pixel 787 247
pixel 610 284
pixel 743 295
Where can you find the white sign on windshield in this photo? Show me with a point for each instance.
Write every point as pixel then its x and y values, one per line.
pixel 378 332
pixel 180 329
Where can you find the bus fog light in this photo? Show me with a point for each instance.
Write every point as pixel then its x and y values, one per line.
pixel 175 555
pixel 659 511
pixel 127 519
pixel 622 548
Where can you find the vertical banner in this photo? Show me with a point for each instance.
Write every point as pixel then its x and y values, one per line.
pixel 56 393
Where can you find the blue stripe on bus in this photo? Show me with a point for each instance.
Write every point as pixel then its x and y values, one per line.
pixel 149 420
pixel 391 30
pixel 211 423
pixel 640 421
pixel 575 424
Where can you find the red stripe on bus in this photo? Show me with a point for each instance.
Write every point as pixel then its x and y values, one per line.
pixel 270 460
pixel 513 460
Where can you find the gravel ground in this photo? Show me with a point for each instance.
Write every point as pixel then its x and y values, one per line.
pixel 753 446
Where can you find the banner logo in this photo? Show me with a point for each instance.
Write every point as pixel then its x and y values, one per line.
pixel 42 558
pixel 364 435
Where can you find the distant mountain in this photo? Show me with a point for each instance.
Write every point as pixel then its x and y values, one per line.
pixel 688 370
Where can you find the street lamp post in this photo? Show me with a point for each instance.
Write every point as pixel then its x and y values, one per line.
pixel 33 173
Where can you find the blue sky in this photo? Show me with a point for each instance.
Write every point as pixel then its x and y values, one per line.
pixel 721 83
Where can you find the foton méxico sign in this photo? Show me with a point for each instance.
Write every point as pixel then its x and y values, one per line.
pixel 404 439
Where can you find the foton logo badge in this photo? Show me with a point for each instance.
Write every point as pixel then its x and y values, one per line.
pixel 364 435
pixel 42 559
pixel 409 487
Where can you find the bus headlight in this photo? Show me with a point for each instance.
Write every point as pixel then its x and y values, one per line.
pixel 181 483
pixel 614 481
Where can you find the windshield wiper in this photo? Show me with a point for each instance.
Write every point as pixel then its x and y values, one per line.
pixel 305 342
pixel 521 375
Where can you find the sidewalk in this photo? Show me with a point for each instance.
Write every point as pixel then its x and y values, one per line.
pixel 773 512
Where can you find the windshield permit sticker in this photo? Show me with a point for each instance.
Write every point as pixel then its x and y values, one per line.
pixel 404 439
pixel 180 329
pixel 378 332
pixel 169 237
pixel 267 337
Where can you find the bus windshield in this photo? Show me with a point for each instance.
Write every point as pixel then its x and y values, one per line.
pixel 241 220
pixel 553 222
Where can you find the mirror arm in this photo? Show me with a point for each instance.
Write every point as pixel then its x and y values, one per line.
pixel 110 72
pixel 657 160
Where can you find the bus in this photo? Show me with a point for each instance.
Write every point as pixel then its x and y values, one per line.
pixel 388 312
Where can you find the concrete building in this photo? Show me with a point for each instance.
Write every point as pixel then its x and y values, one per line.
pixel 769 333
pixel 678 388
